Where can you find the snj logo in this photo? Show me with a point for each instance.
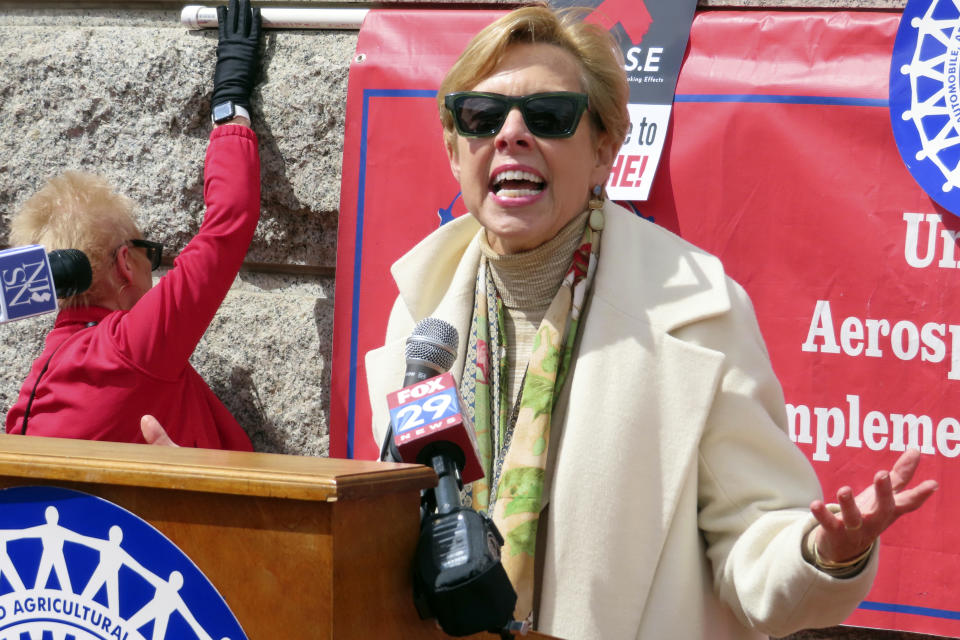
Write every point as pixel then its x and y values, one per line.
pixel 27 283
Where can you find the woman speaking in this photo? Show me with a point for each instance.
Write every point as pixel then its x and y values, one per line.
pixel 631 427
pixel 122 349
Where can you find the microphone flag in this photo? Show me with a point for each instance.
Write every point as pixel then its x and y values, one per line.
pixel 27 284
pixel 429 412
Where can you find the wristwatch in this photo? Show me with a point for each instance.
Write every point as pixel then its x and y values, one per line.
pixel 227 111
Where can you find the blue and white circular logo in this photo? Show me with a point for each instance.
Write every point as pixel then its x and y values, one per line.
pixel 76 567
pixel 925 97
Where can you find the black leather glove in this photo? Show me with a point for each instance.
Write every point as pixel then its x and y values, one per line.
pixel 238 53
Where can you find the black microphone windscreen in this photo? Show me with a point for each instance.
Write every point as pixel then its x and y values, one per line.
pixel 71 270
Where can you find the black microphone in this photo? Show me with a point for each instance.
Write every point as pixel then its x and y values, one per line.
pixel 31 279
pixel 72 273
pixel 458 576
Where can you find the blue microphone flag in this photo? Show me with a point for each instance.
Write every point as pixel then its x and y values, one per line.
pixel 26 282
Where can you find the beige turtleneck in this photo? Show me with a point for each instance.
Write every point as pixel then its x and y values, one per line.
pixel 527 283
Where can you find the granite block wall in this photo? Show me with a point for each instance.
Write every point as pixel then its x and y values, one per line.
pixel 122 89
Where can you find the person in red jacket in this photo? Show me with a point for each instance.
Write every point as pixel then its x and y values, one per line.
pixel 121 349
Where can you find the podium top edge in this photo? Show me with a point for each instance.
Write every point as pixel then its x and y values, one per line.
pixel 28 459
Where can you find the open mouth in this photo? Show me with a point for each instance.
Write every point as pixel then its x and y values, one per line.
pixel 516 184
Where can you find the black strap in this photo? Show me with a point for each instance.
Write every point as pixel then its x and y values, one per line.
pixel 26 413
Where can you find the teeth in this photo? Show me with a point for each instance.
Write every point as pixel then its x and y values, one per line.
pixel 516 193
pixel 517 175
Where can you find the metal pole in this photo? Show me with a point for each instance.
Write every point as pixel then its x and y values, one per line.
pixel 199 17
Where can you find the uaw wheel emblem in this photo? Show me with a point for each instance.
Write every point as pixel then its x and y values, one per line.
pixel 925 97
pixel 76 567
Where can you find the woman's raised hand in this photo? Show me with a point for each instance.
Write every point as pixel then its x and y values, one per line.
pixel 850 532
pixel 238 57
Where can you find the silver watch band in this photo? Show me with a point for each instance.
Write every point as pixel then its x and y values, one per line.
pixel 238 112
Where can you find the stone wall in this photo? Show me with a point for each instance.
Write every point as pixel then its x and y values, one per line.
pixel 125 93
pixel 122 89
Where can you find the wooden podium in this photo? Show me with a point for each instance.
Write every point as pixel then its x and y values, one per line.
pixel 307 547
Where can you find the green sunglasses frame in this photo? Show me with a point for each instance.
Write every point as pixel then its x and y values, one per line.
pixel 579 99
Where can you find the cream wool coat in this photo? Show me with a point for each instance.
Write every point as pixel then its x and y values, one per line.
pixel 677 503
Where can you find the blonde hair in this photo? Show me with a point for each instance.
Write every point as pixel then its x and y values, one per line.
pixel 78 210
pixel 603 77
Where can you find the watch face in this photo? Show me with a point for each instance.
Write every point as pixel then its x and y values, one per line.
pixel 223 111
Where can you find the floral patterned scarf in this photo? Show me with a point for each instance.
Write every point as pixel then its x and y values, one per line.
pixel 513 448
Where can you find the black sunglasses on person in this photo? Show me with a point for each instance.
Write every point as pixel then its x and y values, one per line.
pixel 478 114
pixel 154 251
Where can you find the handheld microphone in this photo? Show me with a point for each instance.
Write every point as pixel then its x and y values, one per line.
pixel 31 279
pixel 430 350
pixel 458 576
pixel 72 273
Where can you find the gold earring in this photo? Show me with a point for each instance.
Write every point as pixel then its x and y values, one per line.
pixel 596 208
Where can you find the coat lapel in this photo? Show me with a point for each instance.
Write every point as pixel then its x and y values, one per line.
pixel 638 401
pixel 435 279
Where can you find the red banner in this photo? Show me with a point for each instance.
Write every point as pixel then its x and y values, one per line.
pixel 396 188
pixel 782 162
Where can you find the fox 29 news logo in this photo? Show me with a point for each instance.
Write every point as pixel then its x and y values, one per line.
pixel 925 97
pixel 76 567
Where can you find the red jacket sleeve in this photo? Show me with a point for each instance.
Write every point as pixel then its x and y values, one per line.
pixel 160 332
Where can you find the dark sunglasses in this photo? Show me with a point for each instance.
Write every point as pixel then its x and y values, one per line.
pixel 154 251
pixel 547 115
